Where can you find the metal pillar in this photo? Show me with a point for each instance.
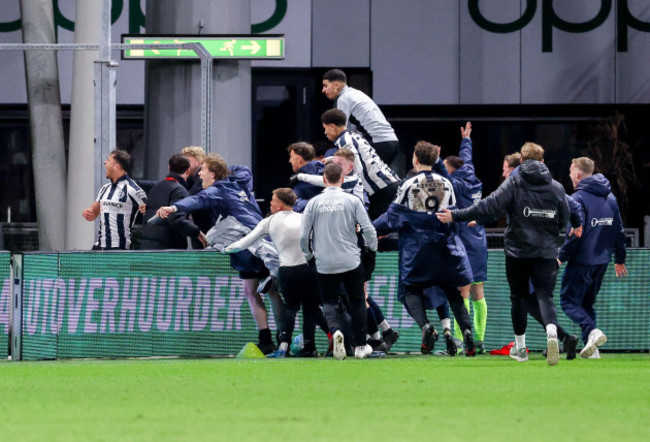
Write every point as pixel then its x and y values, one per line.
pixel 105 77
pixel 16 306
pixel 172 93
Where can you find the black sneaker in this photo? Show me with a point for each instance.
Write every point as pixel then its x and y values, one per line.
pixel 378 345
pixel 266 348
pixel 265 341
pixel 390 337
pixel 468 343
pixel 449 341
pixel 429 338
pixel 308 351
pixel 570 344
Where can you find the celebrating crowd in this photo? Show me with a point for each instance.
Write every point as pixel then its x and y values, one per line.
pixel 316 251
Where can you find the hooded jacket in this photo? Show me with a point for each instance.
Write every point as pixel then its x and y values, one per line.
pixel 536 207
pixel 430 252
pixel 468 190
pixel 602 228
pixel 231 196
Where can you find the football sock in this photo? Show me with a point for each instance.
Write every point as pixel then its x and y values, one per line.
pixel 265 336
pixel 520 341
pixel 383 325
pixel 446 323
pixel 284 346
pixel 371 321
pixel 443 311
pixel 551 331
pixel 561 333
pixel 458 333
pixel 480 319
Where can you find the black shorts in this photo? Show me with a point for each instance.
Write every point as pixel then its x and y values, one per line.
pixel 380 200
pixel 254 275
pixel 387 150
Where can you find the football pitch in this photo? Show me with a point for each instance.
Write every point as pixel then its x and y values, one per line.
pixel 410 398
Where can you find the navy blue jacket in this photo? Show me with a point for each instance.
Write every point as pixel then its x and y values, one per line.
pixel 305 191
pixel 431 253
pixel 231 196
pixel 536 207
pixel 602 228
pixel 468 190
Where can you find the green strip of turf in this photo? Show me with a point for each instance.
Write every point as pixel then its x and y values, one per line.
pixel 398 398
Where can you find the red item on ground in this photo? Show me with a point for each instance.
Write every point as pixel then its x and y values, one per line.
pixel 504 351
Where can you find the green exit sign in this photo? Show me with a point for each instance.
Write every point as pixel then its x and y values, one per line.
pixel 249 47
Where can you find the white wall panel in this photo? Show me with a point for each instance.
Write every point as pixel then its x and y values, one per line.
pixel 414 51
pixel 420 51
pixel 296 27
pixel 341 33
pixel 489 62
pixel 633 66
pixel 580 67
pixel 12 63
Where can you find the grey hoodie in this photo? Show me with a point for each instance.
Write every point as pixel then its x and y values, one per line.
pixel 332 216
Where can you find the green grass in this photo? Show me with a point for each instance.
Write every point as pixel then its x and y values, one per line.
pixel 398 398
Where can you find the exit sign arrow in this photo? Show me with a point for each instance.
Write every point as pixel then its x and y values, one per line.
pixel 254 47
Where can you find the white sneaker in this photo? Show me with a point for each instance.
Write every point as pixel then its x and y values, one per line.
pixel 519 354
pixel 595 340
pixel 339 345
pixel 552 351
pixel 596 355
pixel 362 352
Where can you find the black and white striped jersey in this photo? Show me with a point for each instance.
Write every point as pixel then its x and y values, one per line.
pixel 374 173
pixel 426 192
pixel 118 207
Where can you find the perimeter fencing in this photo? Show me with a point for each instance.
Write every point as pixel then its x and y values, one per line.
pixel 191 303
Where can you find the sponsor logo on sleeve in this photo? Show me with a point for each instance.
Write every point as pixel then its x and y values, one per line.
pixel 602 222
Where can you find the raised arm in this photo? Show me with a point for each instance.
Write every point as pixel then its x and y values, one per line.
pixel 201 200
pixel 314 180
pixel 439 166
pixel 465 152
pixel 262 229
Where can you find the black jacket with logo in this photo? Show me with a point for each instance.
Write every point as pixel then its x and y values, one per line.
pixel 171 232
pixel 536 208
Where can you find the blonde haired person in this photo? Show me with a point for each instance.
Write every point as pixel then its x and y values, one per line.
pixel 228 191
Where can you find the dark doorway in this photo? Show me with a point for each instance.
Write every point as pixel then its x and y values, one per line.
pixel 282 114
